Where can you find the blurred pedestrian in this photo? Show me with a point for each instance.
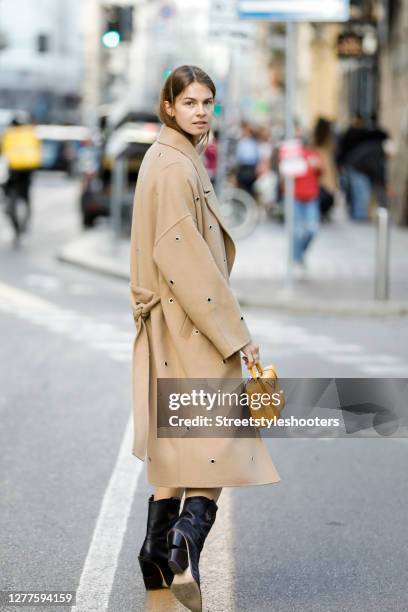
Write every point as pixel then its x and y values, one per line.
pixel 22 150
pixel 362 159
pixel 265 149
pixel 355 185
pixel 189 325
pixel 325 146
pixel 211 156
pixel 247 157
pixel 266 184
pixel 306 205
pixel 369 159
pixel 354 135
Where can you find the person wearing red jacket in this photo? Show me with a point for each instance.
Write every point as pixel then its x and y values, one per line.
pixel 307 208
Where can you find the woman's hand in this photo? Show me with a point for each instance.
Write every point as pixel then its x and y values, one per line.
pixel 251 353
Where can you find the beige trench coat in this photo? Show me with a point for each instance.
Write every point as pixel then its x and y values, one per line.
pixel 189 323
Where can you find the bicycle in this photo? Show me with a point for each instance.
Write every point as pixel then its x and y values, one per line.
pixel 240 211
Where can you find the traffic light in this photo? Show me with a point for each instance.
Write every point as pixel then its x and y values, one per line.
pixel 118 25
pixel 126 22
pixel 43 45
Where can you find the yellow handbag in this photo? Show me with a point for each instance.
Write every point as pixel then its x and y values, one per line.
pixel 265 398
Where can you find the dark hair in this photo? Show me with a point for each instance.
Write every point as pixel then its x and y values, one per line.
pixel 175 84
pixel 322 132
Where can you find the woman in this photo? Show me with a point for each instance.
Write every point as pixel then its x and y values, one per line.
pixel 324 144
pixel 189 326
pixel 247 155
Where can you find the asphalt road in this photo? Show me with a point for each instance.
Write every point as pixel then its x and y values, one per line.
pixel 330 537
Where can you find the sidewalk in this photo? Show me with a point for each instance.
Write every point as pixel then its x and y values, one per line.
pixel 340 275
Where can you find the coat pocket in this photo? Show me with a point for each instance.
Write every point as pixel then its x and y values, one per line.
pixel 186 327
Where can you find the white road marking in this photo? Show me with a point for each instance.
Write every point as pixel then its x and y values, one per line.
pixel 335 347
pixel 112 346
pixel 363 359
pixel 216 567
pixel 116 343
pixel 353 359
pixel 291 339
pixel 100 565
pixel 81 289
pixel 216 562
pixel 104 336
pixel 121 357
pixel 386 371
pixel 43 281
pixel 99 570
pixel 49 316
pixel 98 573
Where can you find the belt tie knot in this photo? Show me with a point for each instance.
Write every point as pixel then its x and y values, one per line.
pixel 143 300
pixel 140 311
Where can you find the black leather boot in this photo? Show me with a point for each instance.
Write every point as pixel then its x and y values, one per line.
pixel 185 541
pixel 153 556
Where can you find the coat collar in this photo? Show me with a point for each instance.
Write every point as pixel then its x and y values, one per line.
pixel 171 137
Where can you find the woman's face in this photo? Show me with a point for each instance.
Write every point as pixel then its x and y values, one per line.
pixel 193 109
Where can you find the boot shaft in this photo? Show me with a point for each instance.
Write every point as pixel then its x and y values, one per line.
pixel 186 538
pixel 197 517
pixel 161 515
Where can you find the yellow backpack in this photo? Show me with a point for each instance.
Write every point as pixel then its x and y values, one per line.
pixel 21 147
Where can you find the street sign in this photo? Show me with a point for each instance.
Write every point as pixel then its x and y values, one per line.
pixel 224 23
pixel 294 10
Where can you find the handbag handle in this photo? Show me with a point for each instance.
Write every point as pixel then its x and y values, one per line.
pixel 262 382
pixel 255 376
pixel 253 371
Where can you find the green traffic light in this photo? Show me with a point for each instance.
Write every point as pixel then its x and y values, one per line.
pixel 111 39
pixel 217 109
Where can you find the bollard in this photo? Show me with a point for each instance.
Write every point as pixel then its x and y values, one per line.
pixel 382 254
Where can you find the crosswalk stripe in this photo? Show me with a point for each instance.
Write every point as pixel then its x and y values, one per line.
pixel 38 311
pixel 117 344
pixel 385 371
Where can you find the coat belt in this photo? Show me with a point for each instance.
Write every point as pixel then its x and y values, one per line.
pixel 143 300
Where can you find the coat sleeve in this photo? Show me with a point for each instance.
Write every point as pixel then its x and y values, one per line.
pixel 183 257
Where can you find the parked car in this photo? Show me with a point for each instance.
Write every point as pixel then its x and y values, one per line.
pixel 61 146
pixel 132 135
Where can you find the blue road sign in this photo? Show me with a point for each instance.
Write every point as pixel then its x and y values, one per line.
pixel 294 10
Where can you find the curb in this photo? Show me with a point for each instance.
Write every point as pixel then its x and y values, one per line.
pixel 343 308
pixel 92 265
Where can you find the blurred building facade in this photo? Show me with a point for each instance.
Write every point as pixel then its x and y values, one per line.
pixel 53 63
pixel 41 58
pixel 319 73
pixel 337 67
pixel 166 34
pixel 342 69
pixel 360 67
pixel 394 98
